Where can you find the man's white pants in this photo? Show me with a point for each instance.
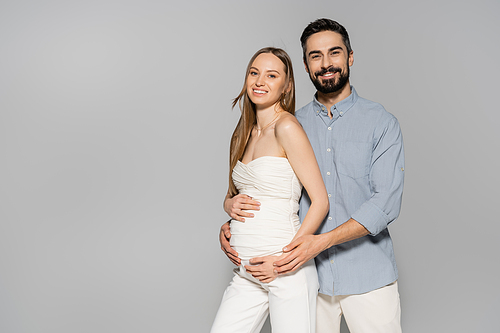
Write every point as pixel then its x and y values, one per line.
pixel 290 299
pixel 377 311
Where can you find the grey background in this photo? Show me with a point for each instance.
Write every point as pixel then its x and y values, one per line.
pixel 115 123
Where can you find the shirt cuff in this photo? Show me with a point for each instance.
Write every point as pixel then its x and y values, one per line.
pixel 371 217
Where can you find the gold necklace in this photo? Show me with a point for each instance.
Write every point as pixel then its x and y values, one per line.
pixel 270 123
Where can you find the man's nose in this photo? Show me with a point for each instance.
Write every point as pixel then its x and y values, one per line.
pixel 326 62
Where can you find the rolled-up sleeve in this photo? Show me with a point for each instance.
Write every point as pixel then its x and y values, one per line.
pixel 386 180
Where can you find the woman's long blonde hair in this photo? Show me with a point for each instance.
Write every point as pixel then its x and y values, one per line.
pixel 248 117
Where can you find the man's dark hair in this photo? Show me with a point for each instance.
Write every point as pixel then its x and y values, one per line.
pixel 324 24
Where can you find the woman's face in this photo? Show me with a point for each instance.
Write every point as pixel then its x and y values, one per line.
pixel 266 80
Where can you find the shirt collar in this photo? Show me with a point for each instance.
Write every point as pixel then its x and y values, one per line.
pixel 338 109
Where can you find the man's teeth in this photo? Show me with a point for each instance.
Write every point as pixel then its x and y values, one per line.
pixel 260 91
pixel 328 74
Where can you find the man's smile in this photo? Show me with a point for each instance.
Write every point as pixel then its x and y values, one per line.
pixel 328 75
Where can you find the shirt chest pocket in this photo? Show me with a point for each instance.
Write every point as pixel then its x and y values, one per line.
pixel 352 159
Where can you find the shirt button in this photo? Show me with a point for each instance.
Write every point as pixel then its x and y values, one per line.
pixel 331 261
pixel 330 218
pixel 328 173
pixel 329 128
pixel 328 149
pixel 402 169
pixel 329 195
pixel 323 108
pixel 341 113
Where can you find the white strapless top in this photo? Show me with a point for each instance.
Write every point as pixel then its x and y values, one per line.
pixel 271 181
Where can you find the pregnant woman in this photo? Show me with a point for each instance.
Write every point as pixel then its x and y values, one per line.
pixel 270 160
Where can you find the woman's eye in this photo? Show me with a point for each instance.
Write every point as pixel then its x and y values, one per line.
pixel 272 76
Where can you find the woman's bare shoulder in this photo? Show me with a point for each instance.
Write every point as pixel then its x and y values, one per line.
pixel 287 124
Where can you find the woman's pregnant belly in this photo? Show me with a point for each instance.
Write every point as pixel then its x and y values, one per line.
pixel 271 228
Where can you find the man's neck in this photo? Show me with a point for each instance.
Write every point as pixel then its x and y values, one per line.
pixel 333 98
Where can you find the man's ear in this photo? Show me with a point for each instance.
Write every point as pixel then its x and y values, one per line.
pixel 351 58
pixel 305 66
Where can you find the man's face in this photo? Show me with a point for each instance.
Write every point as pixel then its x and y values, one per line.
pixel 327 61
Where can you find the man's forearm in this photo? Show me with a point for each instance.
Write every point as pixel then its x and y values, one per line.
pixel 307 247
pixel 345 232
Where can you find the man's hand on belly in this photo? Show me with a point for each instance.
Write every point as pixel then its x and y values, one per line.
pixel 299 252
pixel 224 236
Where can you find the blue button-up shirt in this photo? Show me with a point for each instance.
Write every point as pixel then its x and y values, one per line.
pixel 360 155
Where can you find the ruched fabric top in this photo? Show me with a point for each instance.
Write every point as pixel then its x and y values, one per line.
pixel 271 181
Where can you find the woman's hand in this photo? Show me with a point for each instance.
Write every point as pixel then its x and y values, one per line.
pixel 262 268
pixel 236 206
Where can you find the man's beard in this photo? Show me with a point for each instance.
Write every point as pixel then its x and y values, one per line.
pixel 331 85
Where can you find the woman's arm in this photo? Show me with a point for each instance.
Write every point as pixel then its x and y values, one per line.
pixel 300 154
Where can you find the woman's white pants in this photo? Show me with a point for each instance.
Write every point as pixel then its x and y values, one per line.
pixel 290 300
